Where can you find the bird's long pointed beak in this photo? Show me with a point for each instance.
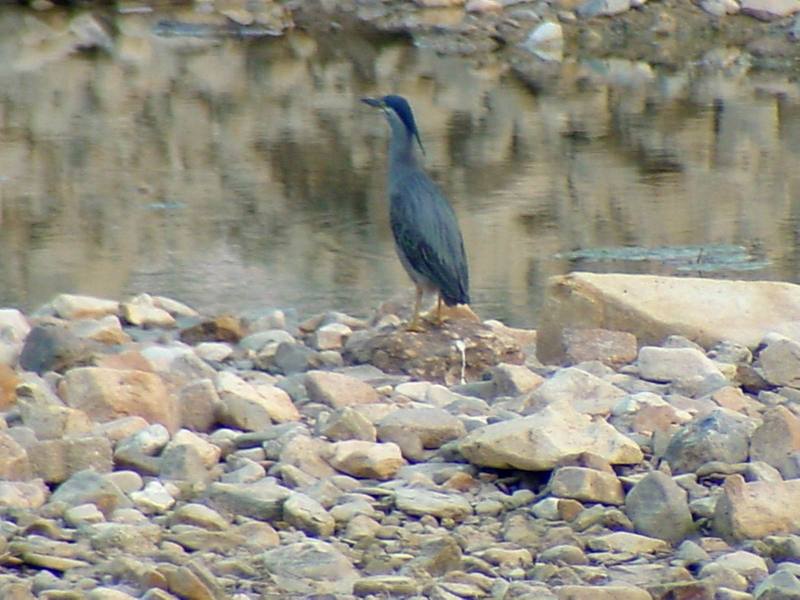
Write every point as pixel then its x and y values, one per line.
pixel 374 102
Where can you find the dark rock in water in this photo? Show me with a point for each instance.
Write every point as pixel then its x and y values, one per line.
pixel 224 328
pixel 53 348
pixel 434 355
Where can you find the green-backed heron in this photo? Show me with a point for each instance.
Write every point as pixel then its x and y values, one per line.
pixel 426 233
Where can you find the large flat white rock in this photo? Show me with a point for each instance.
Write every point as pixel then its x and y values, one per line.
pixel 651 307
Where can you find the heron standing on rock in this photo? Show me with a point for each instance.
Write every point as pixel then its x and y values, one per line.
pixel 426 233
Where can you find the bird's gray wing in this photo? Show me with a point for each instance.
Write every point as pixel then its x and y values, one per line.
pixel 426 232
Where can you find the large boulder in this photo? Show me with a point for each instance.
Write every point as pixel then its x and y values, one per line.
pixel 706 311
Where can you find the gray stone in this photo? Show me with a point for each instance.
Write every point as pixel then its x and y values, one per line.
pixel 750 566
pixel 308 515
pixel 308 454
pixel 414 429
pixel 262 500
pixel 289 358
pixel 52 348
pixel 723 435
pixel 183 462
pixel 563 554
pixel 538 442
pixel 780 360
pixel 138 540
pixel 585 484
pixel 781 585
pixel 346 424
pixel 308 568
pixel 659 508
pixel 602 8
pixel 586 393
pixel 199 405
pixel 420 502
pixel 90 487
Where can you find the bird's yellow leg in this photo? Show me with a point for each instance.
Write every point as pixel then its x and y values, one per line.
pixel 414 324
pixel 439 317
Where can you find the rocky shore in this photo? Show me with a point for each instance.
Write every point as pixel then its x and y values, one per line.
pixel 151 452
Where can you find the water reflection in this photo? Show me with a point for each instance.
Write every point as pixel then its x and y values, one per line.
pixel 237 174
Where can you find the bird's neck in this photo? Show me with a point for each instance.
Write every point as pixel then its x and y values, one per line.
pixel 402 153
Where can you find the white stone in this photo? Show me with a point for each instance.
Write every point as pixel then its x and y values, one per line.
pixel 213 351
pixel 153 499
pixel 675 364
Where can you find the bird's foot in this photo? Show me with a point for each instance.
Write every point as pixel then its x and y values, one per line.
pixel 434 318
pixel 417 324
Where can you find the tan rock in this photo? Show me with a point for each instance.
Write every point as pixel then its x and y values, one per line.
pixel 200 404
pixel 538 442
pixel 613 348
pixel 366 459
pixel 776 439
pixel 588 485
pixel 14 464
pixel 51 421
pixel 143 312
pixel 706 311
pixel 71 306
pixel 8 386
pixel 106 330
pixel 252 406
pixel 107 394
pixel 624 541
pixel 338 390
pixel 757 509
pixel 601 592
pixel 57 460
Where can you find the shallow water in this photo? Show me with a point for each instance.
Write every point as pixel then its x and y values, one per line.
pixel 240 174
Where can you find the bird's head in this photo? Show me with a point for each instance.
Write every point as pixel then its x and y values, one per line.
pixel 398 112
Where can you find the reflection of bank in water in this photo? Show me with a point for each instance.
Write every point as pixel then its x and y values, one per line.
pixel 713 258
